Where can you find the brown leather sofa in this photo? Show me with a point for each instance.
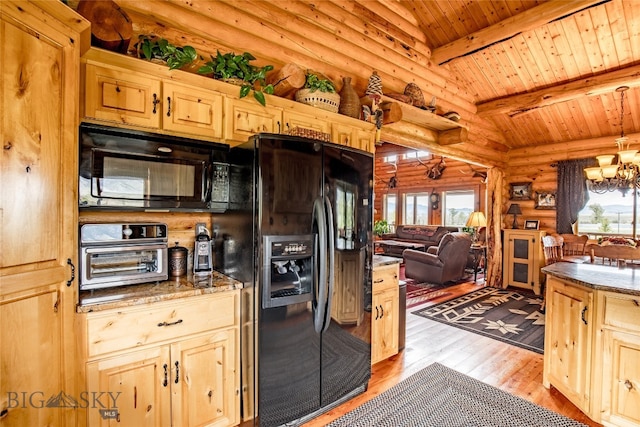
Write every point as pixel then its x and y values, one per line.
pixel 441 264
pixel 427 235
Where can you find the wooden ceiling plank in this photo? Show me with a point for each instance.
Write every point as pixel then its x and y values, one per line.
pixel 590 86
pixel 631 12
pixel 540 58
pixel 520 67
pixel 607 40
pixel 511 66
pixel 557 71
pixel 563 49
pixel 590 42
pixel 586 107
pixel 427 21
pixel 523 53
pixel 576 50
pixel 525 21
pixel 618 27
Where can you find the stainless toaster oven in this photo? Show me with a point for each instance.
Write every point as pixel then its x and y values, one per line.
pixel 122 254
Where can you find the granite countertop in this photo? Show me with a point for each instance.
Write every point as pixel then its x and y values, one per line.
pixel 174 288
pixel 380 260
pixel 611 278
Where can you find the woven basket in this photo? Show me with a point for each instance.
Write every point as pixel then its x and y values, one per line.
pixel 323 100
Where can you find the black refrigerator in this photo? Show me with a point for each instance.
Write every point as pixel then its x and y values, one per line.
pixel 295 205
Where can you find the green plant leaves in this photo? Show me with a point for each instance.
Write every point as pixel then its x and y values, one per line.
pixel 314 83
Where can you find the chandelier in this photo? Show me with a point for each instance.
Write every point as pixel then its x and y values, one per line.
pixel 622 175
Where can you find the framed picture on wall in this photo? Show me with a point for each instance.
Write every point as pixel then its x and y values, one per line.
pixel 531 224
pixel 545 200
pixel 520 191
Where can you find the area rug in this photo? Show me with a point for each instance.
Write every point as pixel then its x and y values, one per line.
pixel 423 292
pixel 440 396
pixel 501 314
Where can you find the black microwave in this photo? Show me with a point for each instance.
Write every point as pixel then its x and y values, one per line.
pixel 123 169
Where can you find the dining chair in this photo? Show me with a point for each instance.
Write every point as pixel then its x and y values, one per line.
pixel 574 248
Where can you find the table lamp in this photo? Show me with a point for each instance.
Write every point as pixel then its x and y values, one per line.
pixel 514 210
pixel 476 219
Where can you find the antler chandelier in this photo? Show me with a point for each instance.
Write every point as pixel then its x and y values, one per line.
pixel 622 175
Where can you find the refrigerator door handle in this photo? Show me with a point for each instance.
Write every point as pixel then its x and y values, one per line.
pixel 320 288
pixel 330 249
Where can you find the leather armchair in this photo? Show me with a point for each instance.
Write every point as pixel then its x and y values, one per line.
pixel 439 265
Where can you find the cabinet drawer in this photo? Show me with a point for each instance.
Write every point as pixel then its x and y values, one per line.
pixel 622 311
pixel 385 276
pixel 131 327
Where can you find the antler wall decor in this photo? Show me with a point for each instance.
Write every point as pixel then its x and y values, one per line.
pixel 435 171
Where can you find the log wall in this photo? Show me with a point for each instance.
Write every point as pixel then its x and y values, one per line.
pixel 411 177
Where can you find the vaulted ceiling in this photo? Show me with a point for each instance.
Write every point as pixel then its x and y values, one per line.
pixel 541 71
pixel 521 73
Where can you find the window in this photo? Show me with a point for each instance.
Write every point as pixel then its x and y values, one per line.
pixel 607 214
pixel 345 214
pixel 457 206
pixel 390 159
pixel 416 154
pixel 389 210
pixel 416 209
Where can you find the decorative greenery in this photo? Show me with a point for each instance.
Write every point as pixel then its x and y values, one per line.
pixel 176 57
pixel 381 227
pixel 230 66
pixel 313 83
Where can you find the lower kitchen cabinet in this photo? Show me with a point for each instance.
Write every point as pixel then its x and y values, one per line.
pixel 384 312
pixel 568 340
pixel 592 350
pixel 187 377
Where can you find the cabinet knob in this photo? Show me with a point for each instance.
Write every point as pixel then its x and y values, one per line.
pixel 628 385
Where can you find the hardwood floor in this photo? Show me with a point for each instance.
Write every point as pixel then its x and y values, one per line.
pixel 512 369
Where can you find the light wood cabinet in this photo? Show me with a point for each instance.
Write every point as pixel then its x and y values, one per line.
pixel 384 312
pixel 523 259
pixel 244 119
pixel 180 366
pixel 127 97
pixel 568 340
pixel 123 91
pixel 348 298
pixel 620 319
pixel 41 48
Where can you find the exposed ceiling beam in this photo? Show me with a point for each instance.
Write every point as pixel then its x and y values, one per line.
pixel 590 86
pixel 510 27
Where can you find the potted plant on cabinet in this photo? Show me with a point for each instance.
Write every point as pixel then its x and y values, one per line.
pixel 176 57
pixel 319 92
pixel 381 227
pixel 236 69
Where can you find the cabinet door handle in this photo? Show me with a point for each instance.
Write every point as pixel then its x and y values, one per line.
pixel 584 311
pixel 73 272
pixel 382 311
pixel 161 324
pixel 628 385
pixel 177 372
pixel 166 375
pixel 378 281
pixel 168 106
pixel 155 102
pixel 377 313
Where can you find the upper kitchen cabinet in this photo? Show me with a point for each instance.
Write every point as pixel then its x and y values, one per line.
pixel 245 118
pixel 124 91
pixel 41 48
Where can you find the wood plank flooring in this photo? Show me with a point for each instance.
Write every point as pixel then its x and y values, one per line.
pixel 512 369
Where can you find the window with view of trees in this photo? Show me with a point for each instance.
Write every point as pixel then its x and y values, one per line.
pixel 389 203
pixel 608 214
pixel 457 206
pixel 416 209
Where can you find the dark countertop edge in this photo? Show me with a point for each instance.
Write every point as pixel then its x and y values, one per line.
pixel 132 295
pixel 598 277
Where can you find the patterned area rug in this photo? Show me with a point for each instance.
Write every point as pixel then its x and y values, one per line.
pixel 501 314
pixel 440 396
pixel 423 292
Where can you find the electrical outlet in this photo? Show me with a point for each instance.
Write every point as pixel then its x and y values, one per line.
pixel 201 228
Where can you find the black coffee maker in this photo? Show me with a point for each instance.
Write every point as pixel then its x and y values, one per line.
pixel 202 254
